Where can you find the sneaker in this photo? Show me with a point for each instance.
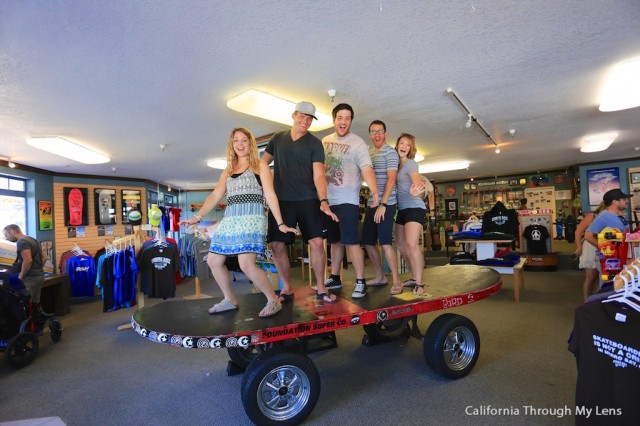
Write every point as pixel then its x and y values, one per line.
pixel 359 291
pixel 333 283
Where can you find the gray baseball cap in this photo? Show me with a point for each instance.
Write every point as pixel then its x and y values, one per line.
pixel 306 108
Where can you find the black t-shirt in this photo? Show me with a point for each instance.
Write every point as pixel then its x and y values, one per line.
pixel 536 236
pixel 606 349
pixel 293 165
pixel 500 219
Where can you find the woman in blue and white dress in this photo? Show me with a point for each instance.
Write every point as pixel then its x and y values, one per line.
pixel 248 183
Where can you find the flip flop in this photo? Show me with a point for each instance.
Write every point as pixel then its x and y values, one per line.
pixel 376 284
pixel 270 309
pixel 223 306
pixel 409 283
pixel 326 297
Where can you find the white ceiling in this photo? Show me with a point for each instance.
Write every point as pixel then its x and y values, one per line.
pixel 125 77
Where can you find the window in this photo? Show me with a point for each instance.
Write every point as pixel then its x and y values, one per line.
pixel 13 202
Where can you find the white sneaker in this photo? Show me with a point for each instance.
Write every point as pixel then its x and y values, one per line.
pixel 359 291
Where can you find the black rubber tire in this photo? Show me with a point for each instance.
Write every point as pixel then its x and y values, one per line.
pixel 55 328
pixel 280 388
pixel 242 357
pixel 388 329
pixel 21 350
pixel 452 346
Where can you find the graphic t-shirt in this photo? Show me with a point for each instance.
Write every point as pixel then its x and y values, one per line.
pixel 344 158
pixel 536 237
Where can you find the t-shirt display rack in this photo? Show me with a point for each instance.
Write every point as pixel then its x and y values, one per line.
pixel 535 217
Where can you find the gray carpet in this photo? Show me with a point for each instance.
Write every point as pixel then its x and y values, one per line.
pixel 97 375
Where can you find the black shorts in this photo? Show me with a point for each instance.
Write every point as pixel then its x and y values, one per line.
pixel 411 215
pixel 373 232
pixel 305 214
pixel 345 231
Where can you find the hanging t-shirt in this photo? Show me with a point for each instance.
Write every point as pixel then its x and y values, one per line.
pixel 606 344
pixel 500 219
pixel 536 237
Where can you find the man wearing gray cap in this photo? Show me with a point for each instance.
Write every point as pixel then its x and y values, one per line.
pixel 300 183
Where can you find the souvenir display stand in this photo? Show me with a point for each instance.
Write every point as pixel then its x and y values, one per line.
pixel 537 262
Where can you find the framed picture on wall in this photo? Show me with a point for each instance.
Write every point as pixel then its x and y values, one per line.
pixel 45 215
pixel 601 181
pixel 105 206
pixel 75 206
pixel 47 253
pixel 131 200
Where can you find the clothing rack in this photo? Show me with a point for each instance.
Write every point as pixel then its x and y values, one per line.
pixel 136 239
pixel 199 235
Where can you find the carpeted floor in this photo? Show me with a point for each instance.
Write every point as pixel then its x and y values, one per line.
pixel 97 375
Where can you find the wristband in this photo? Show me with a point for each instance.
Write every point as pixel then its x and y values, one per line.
pixel 383 204
pixel 280 224
pixel 198 217
pixel 324 199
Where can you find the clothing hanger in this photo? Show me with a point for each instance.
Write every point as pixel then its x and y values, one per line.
pixel 625 295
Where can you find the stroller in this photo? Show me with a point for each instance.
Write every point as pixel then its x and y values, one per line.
pixel 21 322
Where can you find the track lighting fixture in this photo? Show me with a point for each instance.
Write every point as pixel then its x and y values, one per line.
pixel 472 119
pixel 10 163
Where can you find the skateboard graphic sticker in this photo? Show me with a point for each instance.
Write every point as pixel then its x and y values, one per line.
pixel 75 203
pixel 612 252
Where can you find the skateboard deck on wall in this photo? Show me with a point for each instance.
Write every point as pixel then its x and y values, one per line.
pixel 612 252
pixel 76 203
pixel 105 206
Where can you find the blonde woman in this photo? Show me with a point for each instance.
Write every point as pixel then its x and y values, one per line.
pixel 411 211
pixel 588 254
pixel 247 182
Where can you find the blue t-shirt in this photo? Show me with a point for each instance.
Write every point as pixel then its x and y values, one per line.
pixel 607 219
pixel 403 184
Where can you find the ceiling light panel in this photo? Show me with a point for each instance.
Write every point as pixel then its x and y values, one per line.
pixel 443 167
pixel 622 88
pixel 68 149
pixel 273 108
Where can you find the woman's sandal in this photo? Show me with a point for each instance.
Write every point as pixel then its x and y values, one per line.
pixel 285 298
pixel 418 290
pixel 326 297
pixel 409 283
pixel 223 306
pixel 396 289
pixel 270 309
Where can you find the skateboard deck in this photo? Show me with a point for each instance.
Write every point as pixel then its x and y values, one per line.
pixel 76 202
pixel 612 252
pixel 186 323
pixel 104 206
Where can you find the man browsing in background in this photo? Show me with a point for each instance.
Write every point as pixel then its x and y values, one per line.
pixel 378 221
pixel 300 184
pixel 29 261
pixel 615 202
pixel 347 161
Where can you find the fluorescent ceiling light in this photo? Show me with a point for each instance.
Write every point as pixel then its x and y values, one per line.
pixel 217 163
pixel 598 142
pixel 622 88
pixel 443 167
pixel 269 107
pixel 65 148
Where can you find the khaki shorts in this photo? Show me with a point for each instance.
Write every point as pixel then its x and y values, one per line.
pixel 589 257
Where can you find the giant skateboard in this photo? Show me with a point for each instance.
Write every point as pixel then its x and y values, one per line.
pixel 281 385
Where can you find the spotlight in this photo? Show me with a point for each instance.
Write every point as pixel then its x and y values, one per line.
pixel 11 164
pixel 468 123
pixel 497 149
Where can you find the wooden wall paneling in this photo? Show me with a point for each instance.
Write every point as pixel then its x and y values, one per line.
pixel 91 241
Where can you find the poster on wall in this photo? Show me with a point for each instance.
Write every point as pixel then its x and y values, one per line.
pixel 105 206
pixel 452 208
pixel 45 215
pixel 47 253
pixel 131 200
pixel 601 181
pixel 75 206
